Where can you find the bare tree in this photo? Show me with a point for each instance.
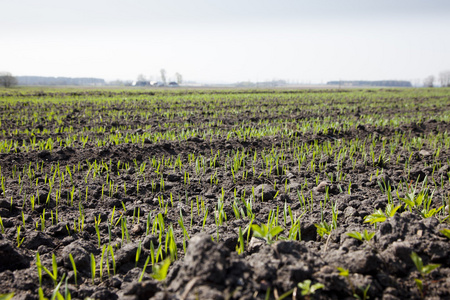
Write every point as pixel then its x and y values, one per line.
pixel 163 76
pixel 179 78
pixel 429 81
pixel 7 80
pixel 141 77
pixel 444 77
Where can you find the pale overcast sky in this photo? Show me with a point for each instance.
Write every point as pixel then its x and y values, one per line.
pixel 227 41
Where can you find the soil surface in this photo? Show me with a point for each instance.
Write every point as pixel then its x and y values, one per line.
pixel 185 177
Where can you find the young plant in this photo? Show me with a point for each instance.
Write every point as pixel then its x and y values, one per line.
pixel 6 296
pixel 240 247
pixel 138 253
pixel 39 268
pixel 323 228
pixel 423 271
pixel 266 232
pixel 18 237
pixel 420 202
pixel 445 232
pixel 143 270
pixel 365 236
pixel 104 250
pixel 93 268
pixel 54 275
pixel 74 267
pixel 111 251
pixel 346 274
pixel 379 216
pixel 2 228
pixel 96 223
pixel 306 289
pixel 160 270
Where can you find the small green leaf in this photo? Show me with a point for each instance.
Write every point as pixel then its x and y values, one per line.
pixel 419 284
pixel 275 230
pixel 391 210
pixel 355 235
pixel 417 261
pixel 408 202
pixel 343 272
pixel 445 232
pixel 258 231
pixel 428 268
pixel 377 216
pixel 160 270
pixel 305 287
pixel 6 296
pixel 316 286
pixel 41 294
pixel 368 236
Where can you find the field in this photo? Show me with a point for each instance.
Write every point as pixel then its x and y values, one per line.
pixel 225 194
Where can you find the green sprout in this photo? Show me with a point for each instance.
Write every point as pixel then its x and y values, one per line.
pixel 160 270
pixel 266 232
pixel 365 236
pixel 423 271
pixel 306 289
pixel 445 232
pixel 379 216
pixel 74 267
pixel 6 296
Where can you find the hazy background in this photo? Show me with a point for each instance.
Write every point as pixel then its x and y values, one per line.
pixel 227 41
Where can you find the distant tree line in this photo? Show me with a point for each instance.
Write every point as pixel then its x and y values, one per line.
pixel 39 80
pixel 444 77
pixel 7 80
pixel 391 83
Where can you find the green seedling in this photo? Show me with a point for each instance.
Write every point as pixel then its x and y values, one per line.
pixel 96 223
pixel 421 203
pixel 74 267
pixel 2 228
pixel 365 236
pixel 346 274
pixel 423 271
pixel 104 250
pixel 138 253
pixel 266 232
pixel 445 232
pixel 323 228
pixel 111 251
pixel 364 292
pixel 93 268
pixel 54 275
pixel 18 237
pixel 295 232
pixel 56 294
pixel 67 295
pixel 143 270
pixel 41 294
pixel 379 216
pixel 160 270
pixel 39 269
pixel 306 289
pixel 240 247
pixel 6 296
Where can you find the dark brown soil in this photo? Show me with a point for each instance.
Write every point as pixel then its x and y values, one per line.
pixel 213 269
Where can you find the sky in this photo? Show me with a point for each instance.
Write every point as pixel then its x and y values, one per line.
pixel 227 41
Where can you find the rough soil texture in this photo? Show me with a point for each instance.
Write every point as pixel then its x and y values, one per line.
pixel 211 269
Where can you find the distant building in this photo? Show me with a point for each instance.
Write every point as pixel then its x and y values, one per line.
pixel 156 83
pixel 140 83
